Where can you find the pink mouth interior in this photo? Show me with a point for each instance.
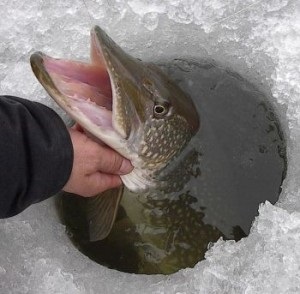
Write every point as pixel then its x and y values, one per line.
pixel 87 86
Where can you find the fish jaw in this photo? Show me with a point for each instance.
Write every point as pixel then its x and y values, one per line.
pixel 130 106
pixel 83 91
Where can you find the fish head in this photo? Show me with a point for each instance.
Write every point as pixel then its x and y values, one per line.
pixel 129 105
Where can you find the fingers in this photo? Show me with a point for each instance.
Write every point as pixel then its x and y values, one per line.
pixel 96 168
pixel 111 162
pixel 97 157
pixel 99 182
pixel 78 127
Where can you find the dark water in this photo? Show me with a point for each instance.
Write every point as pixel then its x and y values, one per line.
pixel 235 162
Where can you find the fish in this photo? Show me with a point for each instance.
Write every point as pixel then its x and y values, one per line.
pixel 129 105
pixel 151 235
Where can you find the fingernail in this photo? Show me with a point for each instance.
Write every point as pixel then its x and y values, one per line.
pixel 126 167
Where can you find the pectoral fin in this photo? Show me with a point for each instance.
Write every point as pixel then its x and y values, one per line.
pixel 101 213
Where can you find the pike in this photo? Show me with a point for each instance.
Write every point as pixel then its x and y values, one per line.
pixel 129 105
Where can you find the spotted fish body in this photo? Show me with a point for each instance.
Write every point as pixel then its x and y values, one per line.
pixel 166 234
pixel 132 107
pixel 159 140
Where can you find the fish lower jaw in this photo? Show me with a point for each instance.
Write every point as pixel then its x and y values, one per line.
pixel 138 181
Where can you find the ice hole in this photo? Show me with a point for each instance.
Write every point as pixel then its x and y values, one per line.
pixel 235 162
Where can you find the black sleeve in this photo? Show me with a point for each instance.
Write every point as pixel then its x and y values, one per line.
pixel 36 154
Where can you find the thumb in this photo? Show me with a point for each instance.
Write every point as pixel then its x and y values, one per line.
pixel 101 182
pixel 111 162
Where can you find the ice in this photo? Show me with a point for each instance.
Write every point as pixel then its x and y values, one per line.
pixel 258 39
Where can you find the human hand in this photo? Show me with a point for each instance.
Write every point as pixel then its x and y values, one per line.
pixel 96 168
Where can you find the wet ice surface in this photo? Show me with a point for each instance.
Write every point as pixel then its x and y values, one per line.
pixel 258 39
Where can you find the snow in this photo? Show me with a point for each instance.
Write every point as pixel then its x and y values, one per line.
pixel 258 39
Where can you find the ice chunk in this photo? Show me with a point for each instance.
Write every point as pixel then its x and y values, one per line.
pixel 144 7
pixel 259 39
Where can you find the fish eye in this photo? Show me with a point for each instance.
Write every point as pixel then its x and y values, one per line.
pixel 160 110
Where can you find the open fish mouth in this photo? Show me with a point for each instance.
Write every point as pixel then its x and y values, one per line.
pixel 87 91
